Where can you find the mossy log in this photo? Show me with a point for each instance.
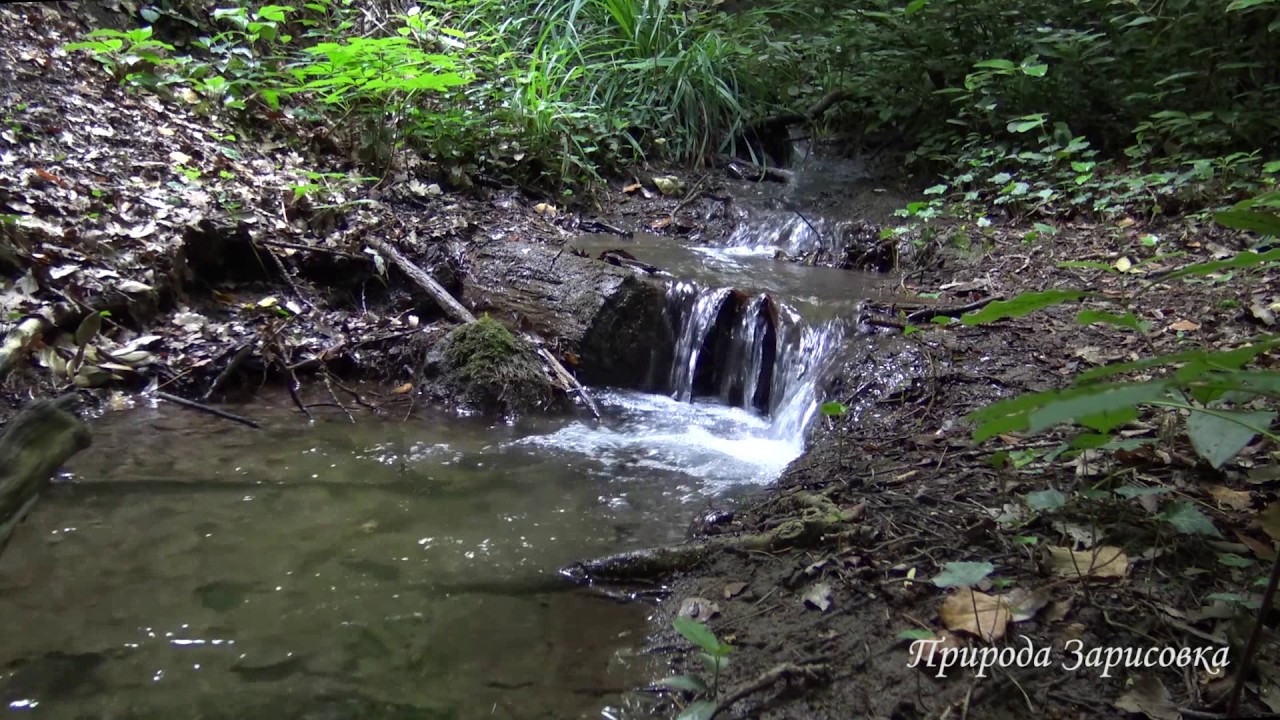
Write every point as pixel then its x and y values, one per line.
pixel 35 443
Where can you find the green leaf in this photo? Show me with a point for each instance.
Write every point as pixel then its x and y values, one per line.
pixel 834 409
pixel 1037 70
pixel 1189 520
pixel 714 663
pixel 915 634
pixel 1221 359
pixel 684 682
pixel 1113 402
pixel 700 710
pixel 1044 500
pixel 1263 223
pixel 916 6
pixel 1128 320
pixel 1233 560
pixel 1021 126
pixel 696 633
pixel 1244 259
pixel 1023 304
pixel 1217 439
pixel 963 574
pixel 995 64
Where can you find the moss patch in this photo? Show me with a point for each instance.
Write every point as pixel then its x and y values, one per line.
pixel 494 371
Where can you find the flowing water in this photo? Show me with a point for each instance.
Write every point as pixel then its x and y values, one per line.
pixel 406 567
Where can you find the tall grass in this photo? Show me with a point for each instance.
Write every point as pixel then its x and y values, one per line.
pixel 656 76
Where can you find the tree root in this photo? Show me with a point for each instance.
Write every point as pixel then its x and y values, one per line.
pixel 820 520
pixel 766 680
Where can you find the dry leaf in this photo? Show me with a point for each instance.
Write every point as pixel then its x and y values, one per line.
pixel 1148 696
pixel 734 589
pixel 696 608
pixel 1103 561
pixel 975 613
pixel 631 188
pixel 1269 520
pixel 818 596
pixel 1057 611
pixel 403 388
pixel 1025 604
pixel 1184 326
pixel 1264 551
pixel 1233 499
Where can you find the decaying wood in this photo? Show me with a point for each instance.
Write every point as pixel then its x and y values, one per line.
pixel 17 342
pixel 458 313
pixel 35 443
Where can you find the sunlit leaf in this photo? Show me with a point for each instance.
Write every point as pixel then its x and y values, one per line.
pixel 1019 306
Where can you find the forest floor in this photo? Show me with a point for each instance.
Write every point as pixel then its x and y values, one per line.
pixel 192 233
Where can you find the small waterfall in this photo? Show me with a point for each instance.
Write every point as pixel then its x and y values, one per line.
pixel 695 320
pixel 751 352
pixel 789 231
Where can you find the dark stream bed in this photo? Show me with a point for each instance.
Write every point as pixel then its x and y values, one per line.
pixel 186 566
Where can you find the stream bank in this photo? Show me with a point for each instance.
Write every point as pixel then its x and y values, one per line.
pixel 233 287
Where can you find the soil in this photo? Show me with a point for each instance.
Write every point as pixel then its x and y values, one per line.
pixel 195 242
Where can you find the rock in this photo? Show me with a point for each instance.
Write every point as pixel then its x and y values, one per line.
pixel 629 342
pixel 492 371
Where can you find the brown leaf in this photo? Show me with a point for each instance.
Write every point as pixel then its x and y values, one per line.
pixel 1264 551
pixel 1184 326
pixel 697 608
pixel 1025 604
pixel 1233 499
pixel 1269 520
pixel 403 389
pixel 1103 561
pixel 1148 696
pixel 1057 611
pixel 975 613
pixel 734 589
pixel 631 188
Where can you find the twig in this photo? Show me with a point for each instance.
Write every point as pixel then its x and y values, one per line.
pixel 783 671
pixel 293 393
pixel 241 354
pixel 314 248
pixel 950 310
pixel 329 385
pixel 206 409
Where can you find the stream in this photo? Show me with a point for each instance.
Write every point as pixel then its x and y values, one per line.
pixel 408 567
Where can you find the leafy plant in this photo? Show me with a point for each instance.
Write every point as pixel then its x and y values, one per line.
pixel 125 55
pixel 714 655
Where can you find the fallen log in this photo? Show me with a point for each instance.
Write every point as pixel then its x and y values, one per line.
pixel 457 312
pixel 35 443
